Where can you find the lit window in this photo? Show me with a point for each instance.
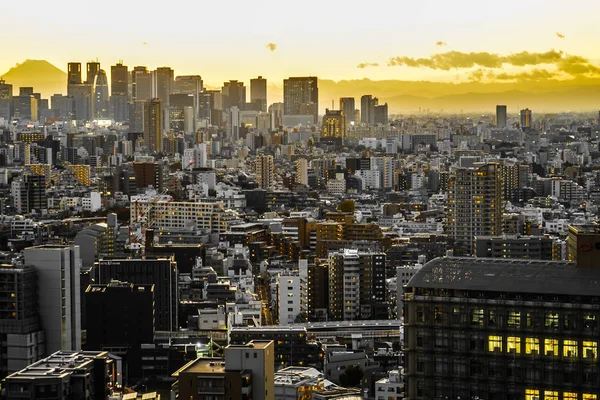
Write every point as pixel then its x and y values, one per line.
pixel 532 394
pixel 551 320
pixel 495 343
pixel 477 317
pixel 532 346
pixel 570 396
pixel 590 350
pixel 514 319
pixel 551 347
pixel 549 395
pixel 513 344
pixel 588 396
pixel 570 348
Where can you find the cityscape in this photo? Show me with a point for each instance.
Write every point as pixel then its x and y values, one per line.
pixel 412 221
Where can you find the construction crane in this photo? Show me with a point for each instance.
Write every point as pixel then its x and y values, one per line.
pixel 144 220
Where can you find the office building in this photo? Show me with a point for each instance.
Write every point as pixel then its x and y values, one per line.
pixel 142 84
pixel 380 114
pixel 92 70
pixel 29 193
pixel 153 126
pixel 501 329
pixel 85 375
pixel 521 247
pixel 357 285
pixel 475 205
pixel 367 109
pixel 583 245
pixel 63 106
pixel 59 296
pixel 526 118
pixel 121 319
pixel 258 94
pixel 6 100
pixel 234 95
pixel 73 73
pixel 165 80
pixel 348 107
pixel 160 271
pixel 501 116
pixel 82 94
pixel 301 97
pixel 302 171
pixel 20 327
pixel 334 125
pixel 25 107
pixel 119 92
pixel 264 168
pixel 101 95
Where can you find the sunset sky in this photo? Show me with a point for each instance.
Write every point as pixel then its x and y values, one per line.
pixel 329 39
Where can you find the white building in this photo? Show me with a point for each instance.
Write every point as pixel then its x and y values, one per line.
pixel 293 293
pixel 337 185
pixel 92 202
pixel 302 171
pixel 390 388
pixel 370 178
pixel 59 296
pixel 403 276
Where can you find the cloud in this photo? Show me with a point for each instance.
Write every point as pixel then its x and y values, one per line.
pixel 441 44
pixel 534 75
pixel 576 65
pixel 560 35
pixel 526 58
pixel 271 46
pixel 367 64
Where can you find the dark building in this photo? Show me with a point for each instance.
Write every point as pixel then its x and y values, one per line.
pixel 234 95
pixel 32 194
pixel 502 329
pixel 301 96
pixel 531 247
pixel 122 319
pixel 158 271
pixel 583 244
pixel 148 174
pixel 380 114
pixel 258 93
pixel 185 254
pixel 367 109
pixel 119 92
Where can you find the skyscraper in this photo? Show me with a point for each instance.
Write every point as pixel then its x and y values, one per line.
pixel 380 114
pixel 92 69
pixel 165 78
pixel 301 96
pixel 264 168
pixel 59 297
pixel 141 83
pixel 367 109
pixel 153 123
pixel 101 95
pixel 501 116
pixel 348 107
pixel 474 204
pixel 6 103
pixel 526 118
pixel 119 86
pixel 234 95
pixel 258 93
pixel 334 124
pixel 74 73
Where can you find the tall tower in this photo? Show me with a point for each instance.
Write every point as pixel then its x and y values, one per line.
pixel 153 122
pixel 367 109
pixel 6 100
pixel 526 118
pixel 101 95
pixel 141 84
pixel 348 107
pixel 119 86
pixel 501 116
pixel 258 93
pixel 59 295
pixel 301 96
pixel 475 204
pixel 334 124
pixel 234 95
pixel 264 169
pixel 92 68
pixel 165 78
pixel 74 73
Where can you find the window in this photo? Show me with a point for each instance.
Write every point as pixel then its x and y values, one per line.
pixel 551 347
pixel 551 320
pixel 587 396
pixel 495 343
pixel 532 346
pixel 532 394
pixel 570 396
pixel 513 344
pixel 477 317
pixel 570 348
pixel 590 350
pixel 549 395
pixel 514 319
pixel 589 322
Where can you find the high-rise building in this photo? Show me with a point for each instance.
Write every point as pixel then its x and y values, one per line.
pixel 153 124
pixel 357 287
pixel 29 193
pixel 367 109
pixel 474 204
pixel 301 96
pixel 501 117
pixel 119 92
pixel 160 271
pixel 302 171
pixel 526 118
pixel 264 168
pixel 141 84
pixel 380 114
pixel 258 93
pixel 59 296
pixel 6 100
pixel 101 95
pixel 73 73
pixel 25 107
pixel 194 86
pixel 92 69
pixel 234 95
pixel 82 95
pixel 20 326
pixel 501 329
pixel 165 80
pixel 348 107
pixel 334 125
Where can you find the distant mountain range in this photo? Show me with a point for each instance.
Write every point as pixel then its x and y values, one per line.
pixel 401 96
pixel 44 77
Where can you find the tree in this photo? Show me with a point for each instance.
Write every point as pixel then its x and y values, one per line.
pixel 352 376
pixel 346 206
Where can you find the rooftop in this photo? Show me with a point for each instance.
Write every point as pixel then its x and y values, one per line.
pixel 508 275
pixel 59 364
pixel 202 365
